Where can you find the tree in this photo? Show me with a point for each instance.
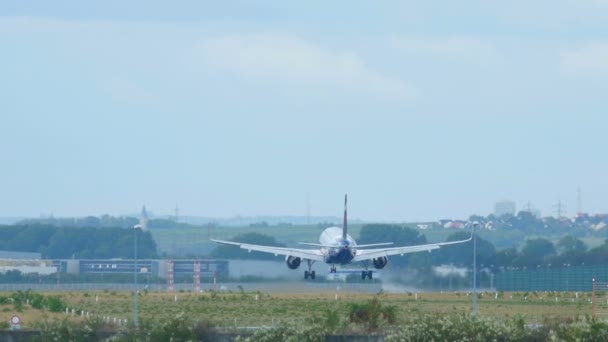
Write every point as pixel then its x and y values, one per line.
pixel 597 255
pixel 462 254
pixel 526 221
pixel 535 251
pixel 569 244
pixel 65 242
pixel 399 235
pixel 506 257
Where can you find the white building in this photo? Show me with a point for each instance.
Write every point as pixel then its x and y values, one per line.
pixel 504 207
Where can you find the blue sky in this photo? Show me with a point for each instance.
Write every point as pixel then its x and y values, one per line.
pixel 419 110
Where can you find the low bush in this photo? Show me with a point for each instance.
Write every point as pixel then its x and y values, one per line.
pixel 372 314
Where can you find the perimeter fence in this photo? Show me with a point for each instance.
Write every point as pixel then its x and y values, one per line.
pixel 574 278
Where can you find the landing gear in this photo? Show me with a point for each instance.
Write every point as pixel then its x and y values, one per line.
pixel 366 274
pixel 309 274
pixel 332 269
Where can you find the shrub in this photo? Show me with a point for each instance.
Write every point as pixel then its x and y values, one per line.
pixel 179 328
pixel 55 304
pixel 36 300
pixel 312 333
pixel 66 331
pixel 175 329
pixel 585 329
pixel 372 313
pixel 449 328
pixel 331 319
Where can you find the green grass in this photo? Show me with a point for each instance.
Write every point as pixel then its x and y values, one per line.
pixel 242 309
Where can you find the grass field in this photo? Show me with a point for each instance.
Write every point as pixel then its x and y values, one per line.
pixel 243 309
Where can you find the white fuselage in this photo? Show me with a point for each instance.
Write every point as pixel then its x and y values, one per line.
pixel 343 252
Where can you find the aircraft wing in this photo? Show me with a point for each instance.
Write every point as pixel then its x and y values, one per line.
pixel 367 254
pixel 311 254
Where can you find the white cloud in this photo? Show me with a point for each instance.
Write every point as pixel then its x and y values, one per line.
pixel 590 59
pixel 283 57
pixel 160 50
pixel 461 48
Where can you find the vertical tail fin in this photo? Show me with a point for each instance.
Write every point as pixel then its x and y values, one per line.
pixel 345 223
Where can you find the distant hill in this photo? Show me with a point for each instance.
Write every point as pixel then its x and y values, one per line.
pixel 270 220
pixel 10 220
pixel 169 221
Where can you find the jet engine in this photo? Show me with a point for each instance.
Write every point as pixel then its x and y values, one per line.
pixel 380 262
pixel 293 262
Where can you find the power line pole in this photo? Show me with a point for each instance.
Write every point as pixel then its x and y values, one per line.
pixel 475 226
pixel 559 209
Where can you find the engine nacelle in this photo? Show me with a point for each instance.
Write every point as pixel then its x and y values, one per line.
pixel 380 262
pixel 293 262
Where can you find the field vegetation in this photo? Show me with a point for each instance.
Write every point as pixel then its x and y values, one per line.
pixel 246 309
pixel 278 317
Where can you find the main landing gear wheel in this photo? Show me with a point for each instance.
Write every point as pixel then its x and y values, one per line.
pixel 332 270
pixel 366 274
pixel 310 273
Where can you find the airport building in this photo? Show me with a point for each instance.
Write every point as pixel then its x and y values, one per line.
pixel 158 268
pixel 24 262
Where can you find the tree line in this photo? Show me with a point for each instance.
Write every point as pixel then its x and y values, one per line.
pixel 80 243
pixel 535 252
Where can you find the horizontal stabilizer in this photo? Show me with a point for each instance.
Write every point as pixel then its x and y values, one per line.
pixel 375 244
pixel 318 245
pixel 356 246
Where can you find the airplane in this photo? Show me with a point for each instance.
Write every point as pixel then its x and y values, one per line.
pixel 336 247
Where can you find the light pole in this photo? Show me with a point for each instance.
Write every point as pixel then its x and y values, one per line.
pixel 136 228
pixel 475 224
